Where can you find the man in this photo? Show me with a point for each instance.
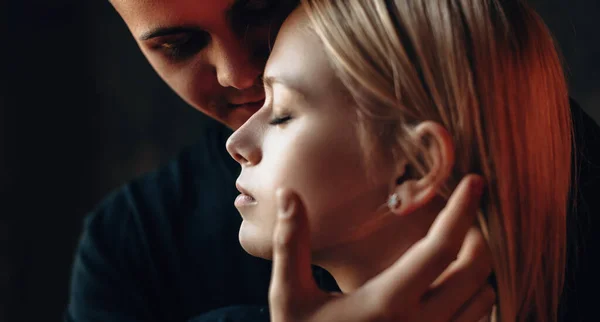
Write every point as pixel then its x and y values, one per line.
pixel 164 247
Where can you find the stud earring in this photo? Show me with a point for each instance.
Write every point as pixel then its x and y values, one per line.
pixel 393 202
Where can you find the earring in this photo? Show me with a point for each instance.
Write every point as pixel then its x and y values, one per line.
pixel 393 202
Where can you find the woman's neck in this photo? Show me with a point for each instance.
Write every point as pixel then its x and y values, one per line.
pixel 356 262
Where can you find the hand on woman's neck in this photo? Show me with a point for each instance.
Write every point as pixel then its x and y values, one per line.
pixel 356 262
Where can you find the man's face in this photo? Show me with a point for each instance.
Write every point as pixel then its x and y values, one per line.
pixel 210 52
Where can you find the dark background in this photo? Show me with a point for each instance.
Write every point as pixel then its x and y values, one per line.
pixel 82 112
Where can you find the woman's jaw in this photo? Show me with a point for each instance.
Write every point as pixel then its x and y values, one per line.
pixel 354 263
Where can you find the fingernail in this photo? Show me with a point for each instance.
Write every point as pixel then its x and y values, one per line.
pixel 286 203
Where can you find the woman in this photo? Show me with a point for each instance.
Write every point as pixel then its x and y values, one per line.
pixel 423 92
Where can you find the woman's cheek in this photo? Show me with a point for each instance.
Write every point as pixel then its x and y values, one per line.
pixel 283 156
pixel 286 152
pixel 275 171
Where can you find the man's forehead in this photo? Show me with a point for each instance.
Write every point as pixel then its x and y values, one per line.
pixel 144 15
pixel 221 3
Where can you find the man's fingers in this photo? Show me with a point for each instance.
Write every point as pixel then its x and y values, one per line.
pixel 474 259
pixel 450 227
pixel 463 279
pixel 479 307
pixel 420 266
pixel 292 274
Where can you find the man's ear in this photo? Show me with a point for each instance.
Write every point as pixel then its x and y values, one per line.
pixel 413 190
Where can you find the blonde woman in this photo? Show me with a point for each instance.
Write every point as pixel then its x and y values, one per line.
pixel 425 92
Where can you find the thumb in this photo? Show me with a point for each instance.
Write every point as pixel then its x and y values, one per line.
pixel 292 280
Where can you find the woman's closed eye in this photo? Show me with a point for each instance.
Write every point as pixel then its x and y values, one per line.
pixel 279 120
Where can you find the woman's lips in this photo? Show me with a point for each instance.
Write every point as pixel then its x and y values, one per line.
pixel 244 200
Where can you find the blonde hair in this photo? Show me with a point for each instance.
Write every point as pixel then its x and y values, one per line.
pixel 489 72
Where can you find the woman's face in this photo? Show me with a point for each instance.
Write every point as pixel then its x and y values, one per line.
pixel 305 138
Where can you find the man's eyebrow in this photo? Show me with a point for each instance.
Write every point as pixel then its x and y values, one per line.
pixel 166 31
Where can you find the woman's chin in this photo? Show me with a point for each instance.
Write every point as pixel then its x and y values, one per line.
pixel 255 241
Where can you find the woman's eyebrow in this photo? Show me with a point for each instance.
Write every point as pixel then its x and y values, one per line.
pixel 269 81
pixel 166 31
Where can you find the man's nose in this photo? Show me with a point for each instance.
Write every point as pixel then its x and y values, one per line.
pixel 235 64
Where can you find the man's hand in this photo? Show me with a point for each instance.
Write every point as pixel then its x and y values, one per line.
pixel 428 283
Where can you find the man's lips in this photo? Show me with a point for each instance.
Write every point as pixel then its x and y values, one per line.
pixel 250 105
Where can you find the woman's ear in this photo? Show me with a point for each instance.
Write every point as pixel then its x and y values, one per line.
pixel 413 190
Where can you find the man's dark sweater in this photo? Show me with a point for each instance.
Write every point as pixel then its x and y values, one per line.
pixel 165 247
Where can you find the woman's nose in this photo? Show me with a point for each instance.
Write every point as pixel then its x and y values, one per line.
pixel 242 148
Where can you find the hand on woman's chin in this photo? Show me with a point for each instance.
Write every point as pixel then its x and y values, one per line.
pixel 255 241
